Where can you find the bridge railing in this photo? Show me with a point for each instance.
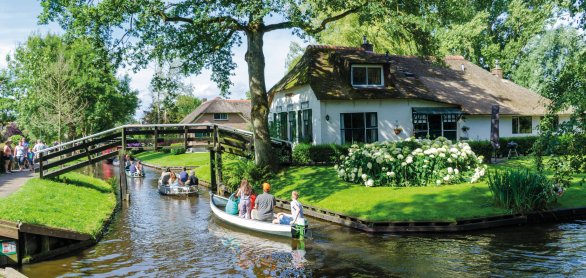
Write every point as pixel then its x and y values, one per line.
pixel 81 152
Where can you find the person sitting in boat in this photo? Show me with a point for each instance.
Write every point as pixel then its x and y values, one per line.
pixel 132 168
pixel 243 193
pixel 296 210
pixel 165 176
pixel 174 181
pixel 265 204
pixel 192 180
pixel 183 175
pixel 139 168
pixel 127 162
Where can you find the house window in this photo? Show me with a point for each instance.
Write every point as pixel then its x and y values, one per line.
pixel 292 127
pixel 522 125
pixel 305 126
pixel 283 125
pixel 435 124
pixel 305 105
pixel 359 127
pixel 367 75
pixel 289 107
pixel 221 116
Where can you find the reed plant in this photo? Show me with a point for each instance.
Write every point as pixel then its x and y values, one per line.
pixel 521 190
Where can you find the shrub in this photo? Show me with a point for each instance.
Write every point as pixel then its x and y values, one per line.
pixel 482 148
pixel 245 168
pixel 301 154
pixel 411 162
pixel 327 153
pixel 15 139
pixel 177 148
pixel 521 190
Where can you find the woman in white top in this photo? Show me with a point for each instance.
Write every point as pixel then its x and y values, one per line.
pixel 296 209
pixel 19 154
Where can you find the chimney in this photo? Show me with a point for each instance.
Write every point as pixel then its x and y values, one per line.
pixel 497 71
pixel 366 46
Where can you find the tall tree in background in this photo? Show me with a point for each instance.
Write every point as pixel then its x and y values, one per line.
pixel 86 78
pixel 202 34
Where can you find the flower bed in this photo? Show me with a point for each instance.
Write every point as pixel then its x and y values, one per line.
pixel 411 162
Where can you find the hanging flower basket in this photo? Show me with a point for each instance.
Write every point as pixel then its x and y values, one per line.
pixel 398 130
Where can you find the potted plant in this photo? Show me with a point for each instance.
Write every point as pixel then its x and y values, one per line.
pixel 465 128
pixel 398 130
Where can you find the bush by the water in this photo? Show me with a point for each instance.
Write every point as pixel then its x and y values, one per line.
pixel 522 190
pixel 244 168
pixel 304 154
pixel 411 162
pixel 177 148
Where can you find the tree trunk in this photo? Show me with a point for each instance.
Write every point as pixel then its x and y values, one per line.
pixel 255 58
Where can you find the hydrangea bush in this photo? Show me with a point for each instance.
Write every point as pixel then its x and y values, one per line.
pixel 411 162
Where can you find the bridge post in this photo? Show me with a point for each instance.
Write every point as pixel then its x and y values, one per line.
pixel 40 164
pixel 156 137
pixel 213 165
pixel 123 182
pixel 185 128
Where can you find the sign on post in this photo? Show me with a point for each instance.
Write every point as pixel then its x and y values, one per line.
pixel 8 247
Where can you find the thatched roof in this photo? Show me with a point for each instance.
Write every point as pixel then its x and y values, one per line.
pixel 327 70
pixel 218 105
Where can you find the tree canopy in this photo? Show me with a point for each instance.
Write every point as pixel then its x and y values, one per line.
pixel 50 81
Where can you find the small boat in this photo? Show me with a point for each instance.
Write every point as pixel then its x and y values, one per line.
pixel 217 203
pixel 135 175
pixel 178 190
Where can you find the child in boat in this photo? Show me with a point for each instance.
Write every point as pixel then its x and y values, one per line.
pixel 139 167
pixel 282 219
pixel 245 206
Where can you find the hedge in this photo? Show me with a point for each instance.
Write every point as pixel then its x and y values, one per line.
pixel 304 154
pixel 484 147
pixel 177 148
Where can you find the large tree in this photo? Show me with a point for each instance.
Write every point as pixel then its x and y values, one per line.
pixel 76 73
pixel 201 33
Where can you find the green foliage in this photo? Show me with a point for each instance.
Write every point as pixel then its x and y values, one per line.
pixel 301 154
pixel 411 162
pixel 177 148
pixel 66 87
pixel 521 190
pixel 15 139
pixel 484 147
pixel 245 168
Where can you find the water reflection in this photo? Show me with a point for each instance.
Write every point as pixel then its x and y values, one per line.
pixel 167 236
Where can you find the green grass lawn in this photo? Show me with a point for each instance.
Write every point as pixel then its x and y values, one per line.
pixel 200 159
pixel 82 204
pixel 320 187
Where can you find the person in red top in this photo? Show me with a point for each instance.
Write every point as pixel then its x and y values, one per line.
pixel 7 157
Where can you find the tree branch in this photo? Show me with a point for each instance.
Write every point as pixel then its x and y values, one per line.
pixel 306 27
pixel 232 23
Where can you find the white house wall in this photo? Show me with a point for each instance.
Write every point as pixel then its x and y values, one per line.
pixel 388 112
pixel 480 126
pixel 296 96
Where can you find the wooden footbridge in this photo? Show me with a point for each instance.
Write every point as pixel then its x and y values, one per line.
pixel 216 139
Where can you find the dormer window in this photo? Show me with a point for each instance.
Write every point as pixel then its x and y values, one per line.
pixel 367 75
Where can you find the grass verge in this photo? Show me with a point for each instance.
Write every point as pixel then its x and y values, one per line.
pixel 320 187
pixel 79 203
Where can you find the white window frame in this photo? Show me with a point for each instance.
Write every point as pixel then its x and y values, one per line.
pixel 382 80
pixel 220 118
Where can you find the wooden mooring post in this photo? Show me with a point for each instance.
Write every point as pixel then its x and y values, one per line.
pixel 122 165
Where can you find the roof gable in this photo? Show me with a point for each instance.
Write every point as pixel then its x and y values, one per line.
pixel 327 70
pixel 218 105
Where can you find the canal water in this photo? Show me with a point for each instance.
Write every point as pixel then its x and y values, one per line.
pixel 179 237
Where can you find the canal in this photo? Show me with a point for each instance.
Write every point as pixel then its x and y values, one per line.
pixel 179 237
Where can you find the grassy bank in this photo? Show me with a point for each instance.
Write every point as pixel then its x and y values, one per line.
pixel 320 187
pixel 79 203
pixel 201 160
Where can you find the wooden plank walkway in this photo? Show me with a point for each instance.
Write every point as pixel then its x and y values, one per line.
pixel 9 183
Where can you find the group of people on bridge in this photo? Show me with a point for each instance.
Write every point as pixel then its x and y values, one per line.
pixel 22 155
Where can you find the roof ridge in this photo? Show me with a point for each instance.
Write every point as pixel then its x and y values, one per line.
pixel 332 47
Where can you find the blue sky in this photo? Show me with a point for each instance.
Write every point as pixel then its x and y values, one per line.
pixel 18 19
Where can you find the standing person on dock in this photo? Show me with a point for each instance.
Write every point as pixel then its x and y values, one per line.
pixel 7 157
pixel 265 204
pixel 245 206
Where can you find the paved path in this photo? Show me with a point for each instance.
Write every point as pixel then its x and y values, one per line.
pixel 9 183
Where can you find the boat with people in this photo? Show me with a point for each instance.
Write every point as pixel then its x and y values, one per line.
pixel 218 203
pixel 135 174
pixel 178 190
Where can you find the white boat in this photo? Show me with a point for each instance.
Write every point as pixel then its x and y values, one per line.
pixel 178 190
pixel 260 226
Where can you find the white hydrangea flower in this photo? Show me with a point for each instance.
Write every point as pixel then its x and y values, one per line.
pixel 369 183
pixel 403 164
pixel 456 171
pixel 442 155
pixel 447 178
pixel 364 176
pixel 438 182
pixel 369 165
pixel 409 160
pixel 379 160
pixel 450 170
pixel 400 156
